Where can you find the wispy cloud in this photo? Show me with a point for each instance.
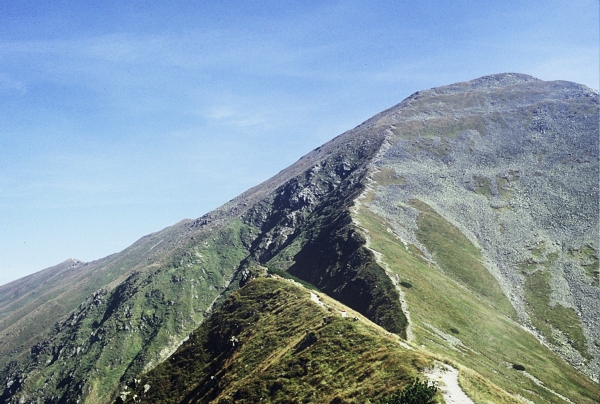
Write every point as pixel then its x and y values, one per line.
pixel 579 65
pixel 227 116
pixel 202 100
pixel 11 86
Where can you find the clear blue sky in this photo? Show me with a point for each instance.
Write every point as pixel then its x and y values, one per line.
pixel 119 118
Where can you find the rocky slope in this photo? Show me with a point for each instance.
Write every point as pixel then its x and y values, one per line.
pixel 464 219
pixel 512 162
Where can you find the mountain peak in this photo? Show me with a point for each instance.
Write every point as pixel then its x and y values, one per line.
pixel 463 221
pixel 482 84
pixel 494 81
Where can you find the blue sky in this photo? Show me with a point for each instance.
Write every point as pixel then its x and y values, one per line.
pixel 118 119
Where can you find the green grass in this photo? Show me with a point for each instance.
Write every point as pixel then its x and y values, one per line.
pixel 588 259
pixel 490 342
pixel 52 295
pixel 430 144
pixel 287 275
pixel 544 316
pixel 527 268
pixel 504 188
pixel 114 334
pixel 482 390
pixel 441 127
pixel 537 252
pixel 593 272
pixel 284 352
pixel 458 257
pixel 387 176
pixel 483 187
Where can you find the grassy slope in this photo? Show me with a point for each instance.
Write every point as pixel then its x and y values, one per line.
pixel 17 294
pixel 459 259
pixel 32 305
pixel 545 317
pixel 451 320
pixel 271 343
pixel 173 303
pixel 114 334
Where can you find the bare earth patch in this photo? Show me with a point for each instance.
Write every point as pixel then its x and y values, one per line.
pixel 446 378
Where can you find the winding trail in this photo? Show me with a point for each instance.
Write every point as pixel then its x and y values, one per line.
pixel 446 378
pixel 379 257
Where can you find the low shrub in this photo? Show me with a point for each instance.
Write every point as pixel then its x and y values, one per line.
pixel 418 392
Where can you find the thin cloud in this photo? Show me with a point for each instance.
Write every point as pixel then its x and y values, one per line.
pixel 581 67
pixel 11 86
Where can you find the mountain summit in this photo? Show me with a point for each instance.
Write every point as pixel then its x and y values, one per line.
pixel 459 226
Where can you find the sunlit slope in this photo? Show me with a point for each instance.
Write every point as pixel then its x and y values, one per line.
pixel 458 258
pixel 118 332
pixel 30 306
pixel 456 320
pixel 496 181
pixel 272 343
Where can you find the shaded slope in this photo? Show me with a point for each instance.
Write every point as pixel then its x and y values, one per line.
pixel 335 260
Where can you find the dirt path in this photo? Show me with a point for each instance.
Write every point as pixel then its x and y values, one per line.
pixel 355 209
pixel 446 378
pixel 317 300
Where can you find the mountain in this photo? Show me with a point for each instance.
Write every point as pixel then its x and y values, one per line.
pixel 462 221
pixel 246 353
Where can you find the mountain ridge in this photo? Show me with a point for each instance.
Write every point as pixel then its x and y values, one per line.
pixel 443 181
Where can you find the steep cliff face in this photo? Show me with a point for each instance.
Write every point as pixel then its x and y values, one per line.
pixel 452 220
